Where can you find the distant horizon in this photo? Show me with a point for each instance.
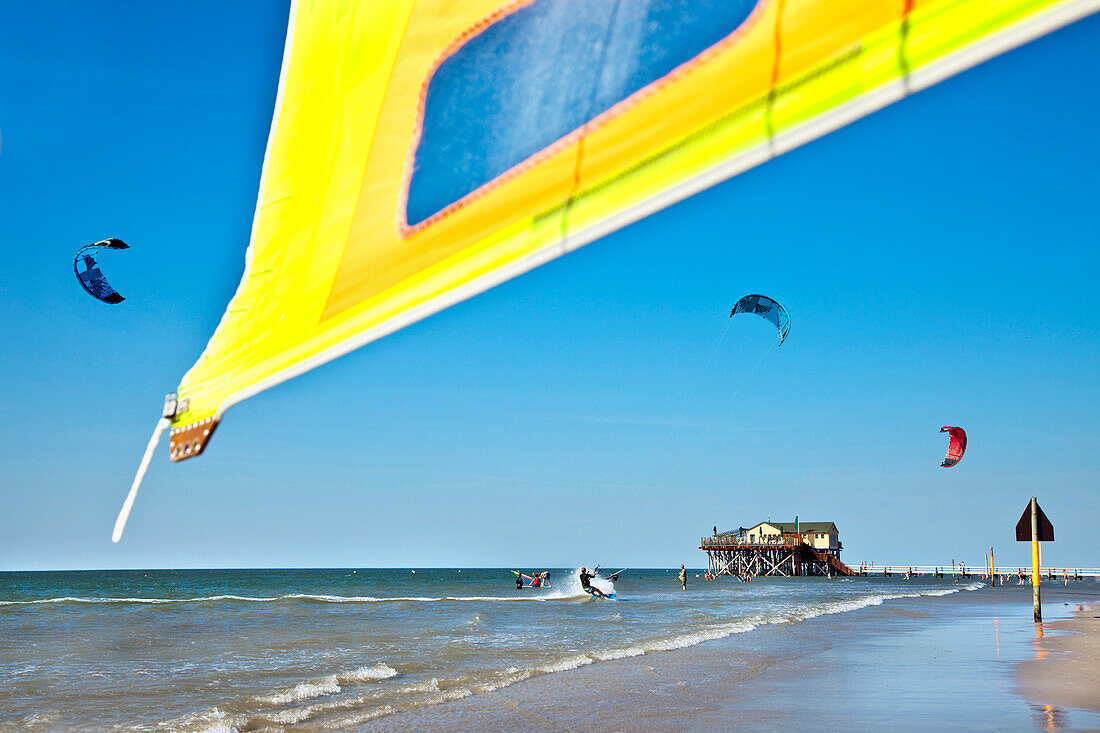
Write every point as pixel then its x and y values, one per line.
pixel 894 568
pixel 877 565
pixel 508 568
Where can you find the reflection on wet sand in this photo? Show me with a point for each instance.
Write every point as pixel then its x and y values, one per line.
pixel 1049 717
pixel 997 636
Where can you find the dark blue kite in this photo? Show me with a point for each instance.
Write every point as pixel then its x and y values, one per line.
pixel 766 308
pixel 91 277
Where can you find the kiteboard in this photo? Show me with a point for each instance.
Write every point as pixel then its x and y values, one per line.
pixel 608 596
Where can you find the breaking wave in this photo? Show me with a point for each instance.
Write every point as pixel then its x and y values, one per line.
pixel 329 685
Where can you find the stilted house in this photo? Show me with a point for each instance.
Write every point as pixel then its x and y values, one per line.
pixel 819 535
pixel 776 548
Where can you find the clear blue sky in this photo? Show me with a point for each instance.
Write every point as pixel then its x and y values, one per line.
pixel 939 260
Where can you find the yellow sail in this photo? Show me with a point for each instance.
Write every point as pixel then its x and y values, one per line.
pixel 424 151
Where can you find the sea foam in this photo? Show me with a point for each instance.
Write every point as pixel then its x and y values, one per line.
pixel 328 685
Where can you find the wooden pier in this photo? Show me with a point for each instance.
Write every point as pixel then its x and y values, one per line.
pixel 786 556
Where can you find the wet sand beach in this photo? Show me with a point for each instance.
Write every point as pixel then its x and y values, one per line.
pixel 944 664
pixel 1066 669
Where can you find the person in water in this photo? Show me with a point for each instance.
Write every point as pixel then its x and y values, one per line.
pixel 536 581
pixel 683 578
pixel 519 582
pixel 586 584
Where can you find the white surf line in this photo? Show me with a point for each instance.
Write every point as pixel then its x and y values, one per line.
pixel 299 597
pixel 124 513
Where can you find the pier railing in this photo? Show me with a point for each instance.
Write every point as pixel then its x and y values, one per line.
pixel 719 542
pixel 724 542
pixel 1047 573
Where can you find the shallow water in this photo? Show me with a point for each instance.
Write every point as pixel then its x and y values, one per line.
pixel 329 649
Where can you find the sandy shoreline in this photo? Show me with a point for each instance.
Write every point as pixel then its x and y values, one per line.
pixel 947 663
pixel 1066 670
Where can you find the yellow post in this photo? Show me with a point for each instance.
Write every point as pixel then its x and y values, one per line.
pixel 992 569
pixel 1035 559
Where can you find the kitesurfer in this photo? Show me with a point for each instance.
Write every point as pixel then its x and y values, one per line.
pixel 586 584
pixel 519 582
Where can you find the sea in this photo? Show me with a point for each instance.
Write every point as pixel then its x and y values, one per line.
pixel 332 649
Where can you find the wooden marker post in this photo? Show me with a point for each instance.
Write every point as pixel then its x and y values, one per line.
pixel 1034 526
